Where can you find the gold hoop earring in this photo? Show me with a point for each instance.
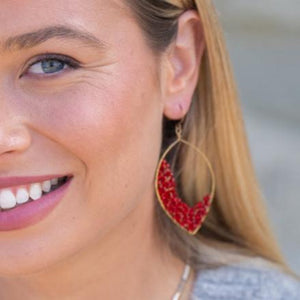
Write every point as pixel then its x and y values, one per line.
pixel 187 218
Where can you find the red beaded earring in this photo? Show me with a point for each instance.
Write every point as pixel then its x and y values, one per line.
pixel 188 218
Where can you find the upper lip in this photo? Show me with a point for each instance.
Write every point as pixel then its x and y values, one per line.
pixel 15 181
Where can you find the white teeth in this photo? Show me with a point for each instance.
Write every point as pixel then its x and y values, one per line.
pixel 35 191
pixel 46 186
pixel 7 199
pixel 22 196
pixel 54 181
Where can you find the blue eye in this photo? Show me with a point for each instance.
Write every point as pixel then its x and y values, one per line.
pixel 52 64
pixel 47 66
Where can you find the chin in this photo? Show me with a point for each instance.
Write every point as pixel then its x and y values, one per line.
pixel 16 265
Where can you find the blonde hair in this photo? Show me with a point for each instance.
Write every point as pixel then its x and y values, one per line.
pixel 237 226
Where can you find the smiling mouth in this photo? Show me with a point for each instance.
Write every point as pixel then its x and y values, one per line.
pixel 11 198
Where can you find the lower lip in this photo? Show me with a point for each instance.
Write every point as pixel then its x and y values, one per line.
pixel 33 211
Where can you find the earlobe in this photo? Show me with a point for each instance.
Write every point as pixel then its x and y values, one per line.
pixel 183 63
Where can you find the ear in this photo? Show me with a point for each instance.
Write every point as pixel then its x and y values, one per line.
pixel 181 66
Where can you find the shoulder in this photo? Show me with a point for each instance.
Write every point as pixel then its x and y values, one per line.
pixel 255 279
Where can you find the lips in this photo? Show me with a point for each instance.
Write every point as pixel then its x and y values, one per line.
pixel 16 181
pixel 33 211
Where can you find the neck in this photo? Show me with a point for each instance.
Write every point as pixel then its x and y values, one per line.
pixel 123 265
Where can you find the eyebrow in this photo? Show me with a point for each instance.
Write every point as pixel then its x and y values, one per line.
pixel 32 39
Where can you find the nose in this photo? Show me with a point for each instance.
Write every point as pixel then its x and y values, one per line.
pixel 14 137
pixel 14 132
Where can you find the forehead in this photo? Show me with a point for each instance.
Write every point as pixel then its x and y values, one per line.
pixel 19 16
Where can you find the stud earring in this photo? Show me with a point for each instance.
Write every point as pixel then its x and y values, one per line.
pixel 188 218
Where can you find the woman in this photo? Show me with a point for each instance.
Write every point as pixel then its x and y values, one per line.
pixel 93 94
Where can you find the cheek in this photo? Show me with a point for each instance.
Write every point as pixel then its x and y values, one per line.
pixel 113 129
pixel 96 122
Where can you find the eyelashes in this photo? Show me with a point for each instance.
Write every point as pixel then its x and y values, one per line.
pixel 50 64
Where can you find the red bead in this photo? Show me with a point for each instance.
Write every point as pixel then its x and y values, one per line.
pixel 187 217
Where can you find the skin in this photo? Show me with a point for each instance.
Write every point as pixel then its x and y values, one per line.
pixel 102 123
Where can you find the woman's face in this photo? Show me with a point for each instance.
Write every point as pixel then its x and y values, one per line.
pixel 92 109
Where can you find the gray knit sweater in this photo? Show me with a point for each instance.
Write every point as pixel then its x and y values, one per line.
pixel 247 281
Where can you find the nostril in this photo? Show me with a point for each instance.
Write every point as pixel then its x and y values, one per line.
pixel 9 151
pixel 6 152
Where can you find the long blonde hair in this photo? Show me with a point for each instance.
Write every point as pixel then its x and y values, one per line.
pixel 237 225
